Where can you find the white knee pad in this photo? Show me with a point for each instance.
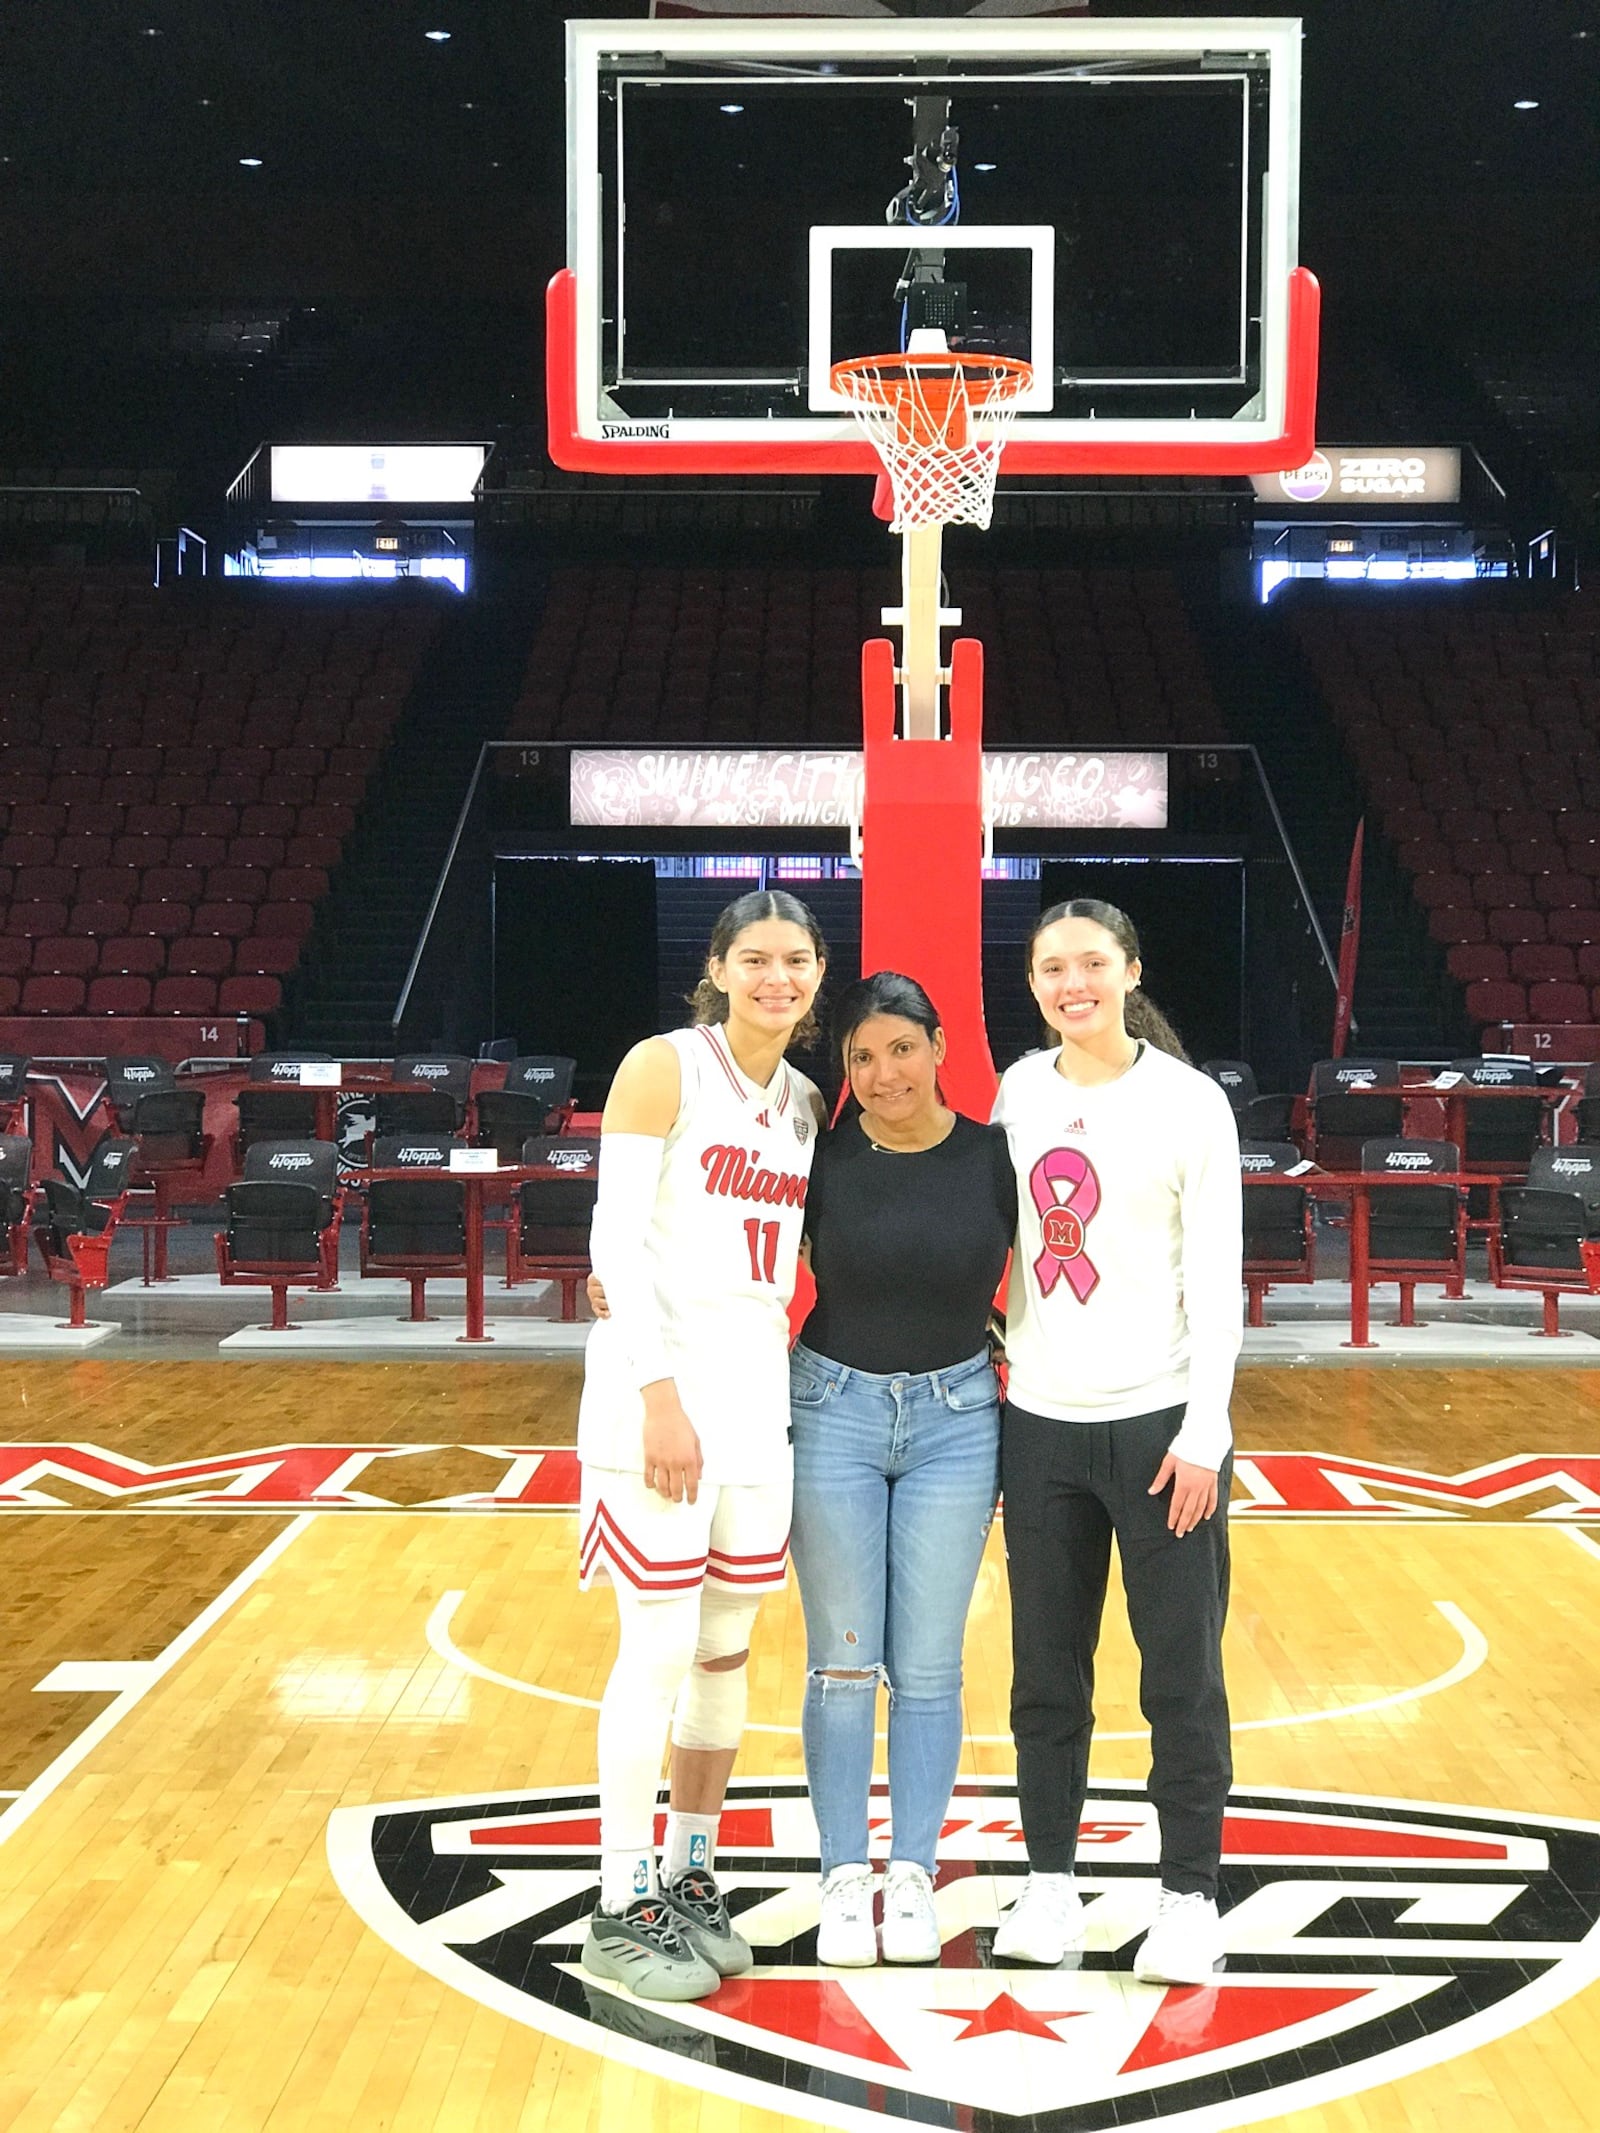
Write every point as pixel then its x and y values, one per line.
pixel 709 1712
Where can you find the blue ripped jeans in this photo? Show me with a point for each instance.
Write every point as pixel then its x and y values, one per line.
pixel 895 1480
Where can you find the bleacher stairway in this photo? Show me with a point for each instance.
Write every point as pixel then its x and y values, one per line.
pixel 1406 1005
pixel 367 928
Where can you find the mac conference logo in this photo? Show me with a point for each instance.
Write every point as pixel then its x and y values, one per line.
pixel 1366 1939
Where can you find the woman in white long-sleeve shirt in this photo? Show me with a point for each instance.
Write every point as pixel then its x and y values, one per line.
pixel 1123 1323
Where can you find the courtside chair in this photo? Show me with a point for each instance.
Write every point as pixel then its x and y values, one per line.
pixel 272 1105
pixel 414 1226
pixel 549 1236
pixel 1258 1117
pixel 427 1093
pixel 1549 1235
pixel 1502 1135
pixel 16 1201
pixel 1416 1232
pixel 13 1091
pixel 283 1220
pixel 1589 1106
pixel 535 1099
pixel 169 1125
pixel 77 1222
pixel 1279 1234
pixel 1342 1115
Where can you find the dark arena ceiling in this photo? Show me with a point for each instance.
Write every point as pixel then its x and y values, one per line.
pixel 240 217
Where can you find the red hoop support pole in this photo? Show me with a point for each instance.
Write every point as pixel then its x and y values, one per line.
pixel 921 872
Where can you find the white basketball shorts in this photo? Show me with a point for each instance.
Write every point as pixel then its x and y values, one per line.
pixel 735 1535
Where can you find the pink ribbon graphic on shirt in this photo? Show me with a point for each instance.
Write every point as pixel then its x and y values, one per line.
pixel 1063 1220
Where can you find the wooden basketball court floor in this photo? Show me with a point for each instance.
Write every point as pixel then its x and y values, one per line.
pixel 192 1693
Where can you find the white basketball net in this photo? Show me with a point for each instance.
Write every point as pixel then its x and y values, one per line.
pixel 939 424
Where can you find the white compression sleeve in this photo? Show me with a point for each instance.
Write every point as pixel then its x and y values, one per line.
pixel 630 1176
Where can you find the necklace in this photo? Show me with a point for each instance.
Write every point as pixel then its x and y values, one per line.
pixel 883 1148
pixel 1126 1067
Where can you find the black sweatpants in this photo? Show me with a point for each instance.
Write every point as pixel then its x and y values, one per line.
pixel 1068 1486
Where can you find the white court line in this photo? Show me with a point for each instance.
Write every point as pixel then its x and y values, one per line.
pixel 1582 1540
pixel 34 1795
pixel 1474 1651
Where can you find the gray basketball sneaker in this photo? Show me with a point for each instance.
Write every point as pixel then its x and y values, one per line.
pixel 647 1949
pixel 704 1922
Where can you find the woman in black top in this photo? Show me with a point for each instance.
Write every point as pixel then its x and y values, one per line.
pixel 909 1216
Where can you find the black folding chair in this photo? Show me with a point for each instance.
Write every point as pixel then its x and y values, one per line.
pixel 78 1222
pixel 414 1226
pixel 169 1125
pixel 1279 1235
pixel 1502 1134
pixel 535 1099
pixel 283 1222
pixel 1343 1114
pixel 1416 1232
pixel 1261 1118
pixel 549 1237
pixel 1549 1236
pixel 16 1200
pixel 427 1093
pixel 13 1091
pixel 272 1105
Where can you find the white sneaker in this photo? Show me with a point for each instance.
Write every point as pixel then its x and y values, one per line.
pixel 910 1923
pixel 1184 1946
pixel 846 1936
pixel 1044 1922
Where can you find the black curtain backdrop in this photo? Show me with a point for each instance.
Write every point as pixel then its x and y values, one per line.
pixel 1188 919
pixel 575 961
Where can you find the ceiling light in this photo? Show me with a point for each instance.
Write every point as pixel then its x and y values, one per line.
pixel 1526 103
pixel 730 107
pixel 250 162
pixel 437 36
pixel 984 166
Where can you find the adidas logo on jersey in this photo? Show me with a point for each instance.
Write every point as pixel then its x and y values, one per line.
pixel 1074 1125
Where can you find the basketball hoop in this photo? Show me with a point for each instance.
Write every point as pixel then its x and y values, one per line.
pixel 939 423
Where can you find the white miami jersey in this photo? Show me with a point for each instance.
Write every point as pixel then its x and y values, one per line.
pixel 723 1248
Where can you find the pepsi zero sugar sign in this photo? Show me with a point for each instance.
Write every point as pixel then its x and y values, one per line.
pixel 1366 1938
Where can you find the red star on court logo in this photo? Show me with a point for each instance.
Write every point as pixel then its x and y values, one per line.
pixel 1008 2013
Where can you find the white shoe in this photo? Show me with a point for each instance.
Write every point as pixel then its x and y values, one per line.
pixel 846 1936
pixel 1184 1946
pixel 910 1923
pixel 1044 1922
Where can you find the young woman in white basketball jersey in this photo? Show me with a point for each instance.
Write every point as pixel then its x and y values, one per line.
pixel 1123 1323
pixel 683 1426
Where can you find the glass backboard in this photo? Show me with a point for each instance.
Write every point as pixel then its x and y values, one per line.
pixel 1113 201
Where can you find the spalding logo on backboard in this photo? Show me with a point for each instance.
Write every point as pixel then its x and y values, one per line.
pixel 1366 1939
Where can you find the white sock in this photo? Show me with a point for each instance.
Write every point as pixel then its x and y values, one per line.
pixel 625 1876
pixel 691 1843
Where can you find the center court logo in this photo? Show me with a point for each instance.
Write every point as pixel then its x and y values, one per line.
pixel 1366 1939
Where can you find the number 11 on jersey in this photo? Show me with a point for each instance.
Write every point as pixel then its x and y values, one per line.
pixel 762 1238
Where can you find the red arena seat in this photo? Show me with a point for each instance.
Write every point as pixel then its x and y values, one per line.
pixel 132 955
pixel 52 996
pixel 249 996
pixel 1488 1001
pixel 1558 1002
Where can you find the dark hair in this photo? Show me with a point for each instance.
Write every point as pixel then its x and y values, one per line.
pixel 886 992
pixel 1141 1017
pixel 709 1002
